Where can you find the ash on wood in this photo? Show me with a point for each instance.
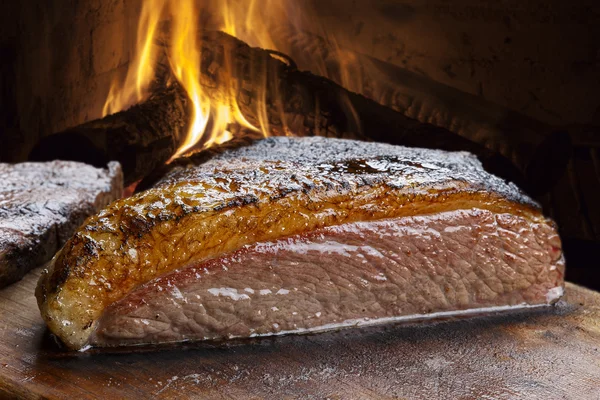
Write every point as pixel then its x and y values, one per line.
pixel 274 95
pixel 41 205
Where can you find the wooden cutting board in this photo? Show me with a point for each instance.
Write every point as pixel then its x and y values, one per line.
pixel 549 354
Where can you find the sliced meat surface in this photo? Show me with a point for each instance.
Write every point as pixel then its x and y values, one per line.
pixel 353 274
pixel 234 208
pixel 41 206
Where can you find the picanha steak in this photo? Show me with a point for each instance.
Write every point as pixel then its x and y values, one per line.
pixel 291 235
pixel 41 206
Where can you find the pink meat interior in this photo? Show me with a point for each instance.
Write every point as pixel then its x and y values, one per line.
pixel 346 275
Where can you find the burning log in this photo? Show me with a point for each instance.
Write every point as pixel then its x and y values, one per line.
pixel 141 138
pixel 278 99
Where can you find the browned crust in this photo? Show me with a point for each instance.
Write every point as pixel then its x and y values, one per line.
pixel 201 212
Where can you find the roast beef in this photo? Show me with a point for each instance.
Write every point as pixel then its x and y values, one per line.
pixel 41 205
pixel 298 235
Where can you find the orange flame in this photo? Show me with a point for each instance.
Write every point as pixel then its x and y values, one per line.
pixel 185 63
pixel 252 21
pixel 184 58
pixel 267 24
pixel 141 71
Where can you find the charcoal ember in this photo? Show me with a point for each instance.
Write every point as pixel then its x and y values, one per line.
pixel 42 204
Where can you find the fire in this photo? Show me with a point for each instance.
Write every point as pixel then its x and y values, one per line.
pixel 185 63
pixel 252 21
pixel 141 70
pixel 184 55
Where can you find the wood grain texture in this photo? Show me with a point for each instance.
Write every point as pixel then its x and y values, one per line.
pixel 546 354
